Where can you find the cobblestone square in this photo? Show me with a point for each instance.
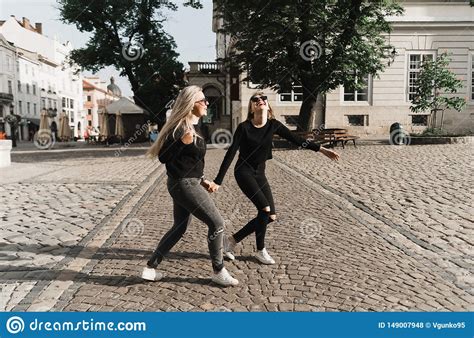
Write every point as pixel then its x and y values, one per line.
pixel 385 229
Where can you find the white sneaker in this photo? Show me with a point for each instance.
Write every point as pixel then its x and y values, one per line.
pixel 224 278
pixel 264 257
pixel 151 274
pixel 229 246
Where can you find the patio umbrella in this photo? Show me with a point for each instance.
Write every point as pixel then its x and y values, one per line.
pixel 61 126
pixel 44 123
pixel 44 138
pixel 104 125
pixel 119 130
pixel 66 129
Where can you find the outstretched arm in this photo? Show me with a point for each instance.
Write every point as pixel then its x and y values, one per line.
pixel 229 156
pixel 284 132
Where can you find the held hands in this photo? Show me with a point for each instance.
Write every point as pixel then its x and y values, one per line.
pixel 213 187
pixel 210 186
pixel 330 154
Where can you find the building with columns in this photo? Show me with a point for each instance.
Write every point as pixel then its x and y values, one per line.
pixel 210 77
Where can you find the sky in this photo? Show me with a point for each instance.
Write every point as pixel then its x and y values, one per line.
pixel 191 29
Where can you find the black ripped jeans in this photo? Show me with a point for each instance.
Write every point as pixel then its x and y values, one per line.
pixel 254 184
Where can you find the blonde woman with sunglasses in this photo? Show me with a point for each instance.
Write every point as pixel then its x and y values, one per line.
pixel 253 138
pixel 181 147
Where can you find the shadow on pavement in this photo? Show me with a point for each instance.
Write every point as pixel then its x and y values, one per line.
pixel 85 252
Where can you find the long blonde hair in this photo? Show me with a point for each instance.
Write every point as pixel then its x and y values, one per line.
pixel 250 113
pixel 180 118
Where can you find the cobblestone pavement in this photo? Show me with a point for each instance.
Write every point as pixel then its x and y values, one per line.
pixel 386 228
pixel 50 211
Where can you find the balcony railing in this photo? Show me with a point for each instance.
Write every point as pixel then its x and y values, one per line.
pixel 205 67
pixel 6 97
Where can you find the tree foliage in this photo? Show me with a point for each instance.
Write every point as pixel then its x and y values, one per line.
pixel 436 85
pixel 129 35
pixel 314 43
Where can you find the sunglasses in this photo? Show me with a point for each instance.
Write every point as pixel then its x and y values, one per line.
pixel 204 100
pixel 256 98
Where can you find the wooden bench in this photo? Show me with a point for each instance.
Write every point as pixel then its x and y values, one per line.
pixel 337 135
pixel 331 136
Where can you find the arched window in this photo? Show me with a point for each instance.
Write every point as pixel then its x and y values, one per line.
pixel 215 108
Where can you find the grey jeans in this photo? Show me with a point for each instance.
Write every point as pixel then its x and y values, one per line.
pixel 190 198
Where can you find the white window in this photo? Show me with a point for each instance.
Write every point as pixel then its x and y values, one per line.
pixel 351 94
pixel 28 108
pixel 419 120
pixel 295 95
pixel 415 61
pixel 357 120
pixel 34 109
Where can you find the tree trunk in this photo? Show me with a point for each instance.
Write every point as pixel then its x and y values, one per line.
pixel 308 108
pixel 442 119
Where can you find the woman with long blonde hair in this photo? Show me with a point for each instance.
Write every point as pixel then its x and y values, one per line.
pixel 253 138
pixel 182 149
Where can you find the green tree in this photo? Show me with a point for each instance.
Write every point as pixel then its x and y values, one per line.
pixel 313 43
pixel 129 35
pixel 436 85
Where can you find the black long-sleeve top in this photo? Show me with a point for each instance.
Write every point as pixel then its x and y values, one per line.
pixel 183 160
pixel 255 144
